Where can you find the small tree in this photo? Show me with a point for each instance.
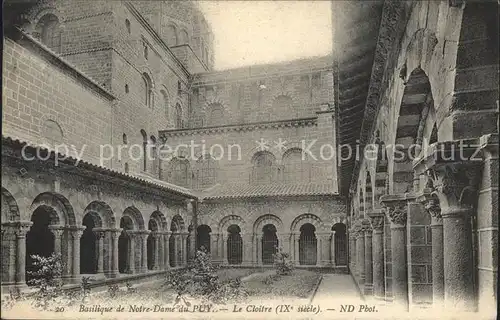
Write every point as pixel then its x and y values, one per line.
pixel 47 279
pixel 282 262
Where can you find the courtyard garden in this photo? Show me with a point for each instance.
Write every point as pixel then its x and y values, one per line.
pixel 201 283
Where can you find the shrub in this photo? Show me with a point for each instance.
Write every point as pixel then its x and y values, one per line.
pixel 201 281
pixel 282 262
pixel 47 279
pixel 113 290
pixel 85 286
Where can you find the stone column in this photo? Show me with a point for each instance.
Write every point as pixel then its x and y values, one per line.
pixel 451 181
pixel 396 210
pixel 223 248
pixel 352 252
pixel 214 252
pixel 377 222
pixel 9 254
pixel 247 249
pixel 58 232
pixel 131 251
pixel 296 253
pixel 360 251
pixel 455 185
pixel 431 205
pixel 166 249
pixel 319 255
pixel 76 234
pixel 22 229
pixel 192 244
pixel 159 251
pixel 184 248
pixel 286 243
pixel 259 249
pixel 115 234
pixel 332 249
pixel 99 236
pixel 144 250
pixel 368 290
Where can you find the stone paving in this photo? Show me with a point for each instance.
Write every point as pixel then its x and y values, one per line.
pixel 335 289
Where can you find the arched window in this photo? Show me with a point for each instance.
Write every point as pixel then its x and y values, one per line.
pixel 125 140
pixel 179 172
pixel 148 89
pixel 52 131
pixel 215 114
pixel 144 149
pixel 126 88
pixel 206 171
pixel 146 50
pixel 48 30
pixel 264 170
pixel 296 169
pixel 171 33
pixel 184 37
pixel 127 25
pixel 152 157
pixel 165 101
pixel 178 117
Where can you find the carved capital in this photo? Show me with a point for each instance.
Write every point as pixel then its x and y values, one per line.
pixel 396 208
pixel 22 228
pixel 455 184
pixel 377 220
pixel 57 230
pixel 430 201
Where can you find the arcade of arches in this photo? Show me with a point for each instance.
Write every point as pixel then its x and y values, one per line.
pixel 308 240
pixel 97 245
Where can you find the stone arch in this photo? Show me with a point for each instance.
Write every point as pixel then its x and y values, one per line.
pixel 215 114
pixel 171 34
pixel 261 221
pixel 207 169
pixel 230 220
pixel 104 212
pixel 179 119
pixel 134 215
pixel 165 100
pixel 183 36
pixel 52 131
pixel 10 209
pixel 177 224
pixel 61 210
pixel 179 171
pixel 147 89
pixel 160 219
pixel 338 219
pixel 264 167
pixel 48 29
pixel 307 218
pixel 415 103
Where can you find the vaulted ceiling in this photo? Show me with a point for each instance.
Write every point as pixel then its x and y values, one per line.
pixel 363 35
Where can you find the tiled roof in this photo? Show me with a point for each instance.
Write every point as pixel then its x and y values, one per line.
pixel 142 179
pixel 229 191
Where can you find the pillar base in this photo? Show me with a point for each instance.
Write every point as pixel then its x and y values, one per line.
pixel 368 290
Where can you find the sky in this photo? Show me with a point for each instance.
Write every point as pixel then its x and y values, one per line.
pixel 257 32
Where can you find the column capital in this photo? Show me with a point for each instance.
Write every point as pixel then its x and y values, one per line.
pixel 115 233
pixel 377 220
pixel 76 232
pixel 57 230
pixel 99 232
pixel 396 208
pixel 454 170
pixel 430 201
